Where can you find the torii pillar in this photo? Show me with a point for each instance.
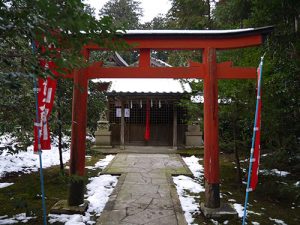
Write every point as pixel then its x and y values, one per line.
pixel 211 132
pixel 78 138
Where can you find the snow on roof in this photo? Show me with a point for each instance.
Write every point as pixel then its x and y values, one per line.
pixel 186 31
pixel 198 33
pixel 146 85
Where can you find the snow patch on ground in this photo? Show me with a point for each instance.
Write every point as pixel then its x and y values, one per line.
pixel 89 167
pixel 274 172
pixel 104 162
pixel 277 221
pixel 4 185
pixel 15 219
pixel 188 202
pixel 98 191
pixel 239 208
pixel 193 164
pixel 75 219
pixel 188 188
pixel 188 183
pixel 27 161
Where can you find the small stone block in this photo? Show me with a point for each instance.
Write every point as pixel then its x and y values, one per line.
pixel 225 212
pixel 62 207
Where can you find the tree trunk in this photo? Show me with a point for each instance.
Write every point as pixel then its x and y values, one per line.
pixel 61 163
pixel 59 126
pixel 296 24
pixel 208 13
pixel 236 154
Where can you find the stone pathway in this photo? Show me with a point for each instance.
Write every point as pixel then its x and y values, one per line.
pixel 145 193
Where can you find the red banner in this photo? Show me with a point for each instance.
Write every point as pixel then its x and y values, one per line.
pixel 256 153
pixel 46 92
pixel 147 130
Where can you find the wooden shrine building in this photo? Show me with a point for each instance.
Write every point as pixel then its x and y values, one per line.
pixel 136 107
pixel 131 100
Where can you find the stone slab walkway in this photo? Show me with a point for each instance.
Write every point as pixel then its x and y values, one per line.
pixel 145 193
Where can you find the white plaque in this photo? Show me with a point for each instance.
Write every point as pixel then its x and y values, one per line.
pixel 127 112
pixel 118 112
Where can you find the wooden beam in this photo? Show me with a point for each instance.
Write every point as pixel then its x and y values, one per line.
pixel 226 71
pixel 211 133
pixel 122 130
pixel 189 43
pixel 78 136
pixel 95 71
pixel 174 126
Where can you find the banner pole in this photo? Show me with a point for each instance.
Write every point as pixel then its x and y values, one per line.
pixel 39 146
pixel 253 139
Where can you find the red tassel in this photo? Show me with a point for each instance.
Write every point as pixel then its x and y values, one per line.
pixel 147 130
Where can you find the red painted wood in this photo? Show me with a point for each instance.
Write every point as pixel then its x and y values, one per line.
pixel 226 71
pixel 79 121
pixel 144 60
pixel 211 133
pixel 196 70
pixel 95 71
pixel 189 43
pixel 79 118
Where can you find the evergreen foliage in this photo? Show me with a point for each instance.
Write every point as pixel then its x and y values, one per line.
pixel 281 78
pixel 67 25
pixel 190 14
pixel 125 13
pixel 281 72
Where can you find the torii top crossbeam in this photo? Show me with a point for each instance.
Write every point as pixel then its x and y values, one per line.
pixel 194 39
pixel 147 40
pixel 209 41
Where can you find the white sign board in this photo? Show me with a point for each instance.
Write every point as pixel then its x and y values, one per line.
pixel 119 112
pixel 127 112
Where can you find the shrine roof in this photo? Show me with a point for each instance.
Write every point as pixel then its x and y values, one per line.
pixel 197 33
pixel 145 86
pixel 142 86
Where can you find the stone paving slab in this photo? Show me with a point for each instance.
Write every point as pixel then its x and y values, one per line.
pixel 135 149
pixel 145 193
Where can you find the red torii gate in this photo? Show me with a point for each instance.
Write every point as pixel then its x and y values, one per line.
pixel 209 70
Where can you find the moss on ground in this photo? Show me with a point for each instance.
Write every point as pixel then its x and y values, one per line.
pixel 191 151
